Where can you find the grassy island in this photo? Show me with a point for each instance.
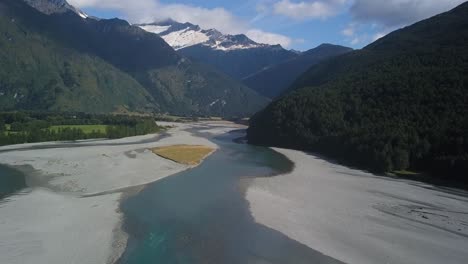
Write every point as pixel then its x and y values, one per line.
pixel 184 154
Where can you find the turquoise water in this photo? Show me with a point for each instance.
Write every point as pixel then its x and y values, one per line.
pixel 201 216
pixel 10 181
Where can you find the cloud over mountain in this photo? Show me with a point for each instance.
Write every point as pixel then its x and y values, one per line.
pixel 142 11
pixel 308 9
pixel 269 21
pixel 393 13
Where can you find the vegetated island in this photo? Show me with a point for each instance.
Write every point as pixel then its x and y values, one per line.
pixel 184 154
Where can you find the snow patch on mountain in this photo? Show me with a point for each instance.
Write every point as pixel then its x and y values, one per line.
pixel 185 38
pixel 81 14
pixel 183 35
pixel 214 102
pixel 222 102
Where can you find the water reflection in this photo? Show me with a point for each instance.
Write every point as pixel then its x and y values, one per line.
pixel 10 181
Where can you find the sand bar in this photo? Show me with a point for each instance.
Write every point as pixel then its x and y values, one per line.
pixel 360 218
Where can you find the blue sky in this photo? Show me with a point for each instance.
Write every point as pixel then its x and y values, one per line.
pixel 296 24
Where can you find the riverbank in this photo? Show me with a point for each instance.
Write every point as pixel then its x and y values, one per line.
pixel 72 207
pixel 358 217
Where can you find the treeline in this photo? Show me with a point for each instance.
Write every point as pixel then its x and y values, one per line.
pixel 30 127
pixel 32 135
pixel 398 104
pixel 375 129
pixel 142 126
pixel 67 118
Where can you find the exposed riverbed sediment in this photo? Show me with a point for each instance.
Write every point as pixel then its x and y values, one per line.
pixel 70 212
pixel 358 217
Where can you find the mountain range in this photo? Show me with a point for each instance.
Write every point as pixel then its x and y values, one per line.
pixel 236 55
pixel 54 6
pixel 274 80
pixel 398 104
pixel 184 35
pixel 57 58
pixel 267 69
pixel 54 57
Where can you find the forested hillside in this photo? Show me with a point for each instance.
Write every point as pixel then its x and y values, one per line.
pixel 274 80
pixel 239 63
pixel 64 62
pixel 37 72
pixel 398 104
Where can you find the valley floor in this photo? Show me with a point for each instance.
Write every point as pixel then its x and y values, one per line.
pixel 358 217
pixel 70 213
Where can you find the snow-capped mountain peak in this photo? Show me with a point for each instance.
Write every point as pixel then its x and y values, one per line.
pixel 55 6
pixel 183 35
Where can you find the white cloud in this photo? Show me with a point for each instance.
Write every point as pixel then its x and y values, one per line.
pixel 395 13
pixel 263 7
pixel 355 41
pixel 349 31
pixel 383 16
pixel 218 18
pixel 378 35
pixel 357 37
pixel 140 11
pixel 299 41
pixel 265 37
pixel 371 19
pixel 309 9
pixel 137 8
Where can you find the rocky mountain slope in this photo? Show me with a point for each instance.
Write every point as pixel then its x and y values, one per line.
pixel 236 55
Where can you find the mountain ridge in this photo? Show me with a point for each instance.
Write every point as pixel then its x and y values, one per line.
pixel 167 81
pixel 274 80
pixel 49 7
pixel 184 35
pixel 235 55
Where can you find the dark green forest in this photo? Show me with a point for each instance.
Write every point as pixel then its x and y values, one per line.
pixel 241 63
pixel 400 103
pixel 30 127
pixel 273 81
